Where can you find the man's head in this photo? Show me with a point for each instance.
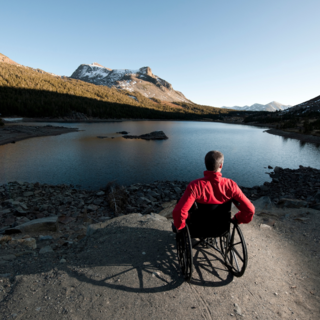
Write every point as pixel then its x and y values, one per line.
pixel 214 161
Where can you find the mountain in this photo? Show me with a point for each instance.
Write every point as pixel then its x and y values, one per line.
pixel 141 80
pixel 271 107
pixel 312 105
pixel 28 92
pixel 5 59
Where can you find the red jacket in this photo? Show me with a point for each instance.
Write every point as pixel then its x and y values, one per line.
pixel 212 189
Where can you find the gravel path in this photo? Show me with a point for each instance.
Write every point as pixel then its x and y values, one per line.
pixel 128 270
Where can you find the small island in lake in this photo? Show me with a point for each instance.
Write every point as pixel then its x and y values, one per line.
pixel 155 135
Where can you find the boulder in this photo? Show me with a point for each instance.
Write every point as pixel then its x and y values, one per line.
pixel 37 225
pixel 168 208
pixel 292 203
pixel 263 203
pixel 156 216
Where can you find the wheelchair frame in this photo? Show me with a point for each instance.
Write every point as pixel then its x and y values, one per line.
pixel 231 244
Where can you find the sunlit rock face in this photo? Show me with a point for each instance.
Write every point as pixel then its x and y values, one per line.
pixel 141 80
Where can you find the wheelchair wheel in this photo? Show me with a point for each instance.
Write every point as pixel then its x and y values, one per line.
pixel 234 251
pixel 184 248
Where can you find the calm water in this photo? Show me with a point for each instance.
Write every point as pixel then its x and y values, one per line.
pixel 81 158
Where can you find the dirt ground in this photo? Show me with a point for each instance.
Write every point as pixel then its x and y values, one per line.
pixel 129 270
pixel 14 133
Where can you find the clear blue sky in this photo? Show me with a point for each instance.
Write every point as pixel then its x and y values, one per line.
pixel 216 52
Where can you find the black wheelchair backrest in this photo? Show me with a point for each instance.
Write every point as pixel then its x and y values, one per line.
pixel 209 220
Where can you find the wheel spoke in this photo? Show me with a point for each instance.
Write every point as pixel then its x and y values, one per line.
pixel 236 251
pixel 235 259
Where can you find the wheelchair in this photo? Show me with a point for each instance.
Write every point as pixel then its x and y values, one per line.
pixel 212 225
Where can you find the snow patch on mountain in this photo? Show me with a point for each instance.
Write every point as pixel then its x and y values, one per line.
pixel 271 107
pixel 141 80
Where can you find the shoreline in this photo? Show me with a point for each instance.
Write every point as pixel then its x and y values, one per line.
pixel 270 128
pixel 15 133
pixel 294 135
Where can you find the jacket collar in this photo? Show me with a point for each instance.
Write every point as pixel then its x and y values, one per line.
pixel 211 175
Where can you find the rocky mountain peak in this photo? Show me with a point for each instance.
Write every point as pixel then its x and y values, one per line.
pixel 141 80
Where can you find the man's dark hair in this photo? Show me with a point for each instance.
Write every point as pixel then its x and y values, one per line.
pixel 213 160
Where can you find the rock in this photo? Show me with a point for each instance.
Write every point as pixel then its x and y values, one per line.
pixel 292 203
pixel 155 135
pixel 8 257
pixel 269 167
pixel 4 239
pixel 237 309
pixel 167 212
pixel 46 249
pixel 44 238
pixel 265 226
pixel 29 243
pixel 277 169
pixel 63 261
pixel 177 190
pixel 123 132
pixel 28 194
pixel 100 193
pixel 4 211
pixel 92 228
pixel 102 219
pixel 37 225
pixel 92 207
pixel 169 204
pixel 143 200
pixel 5 275
pixel 158 217
pixel 263 203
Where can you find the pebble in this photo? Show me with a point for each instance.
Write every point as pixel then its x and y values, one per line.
pixel 63 261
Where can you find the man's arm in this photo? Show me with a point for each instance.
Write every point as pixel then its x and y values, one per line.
pixel 246 208
pixel 181 210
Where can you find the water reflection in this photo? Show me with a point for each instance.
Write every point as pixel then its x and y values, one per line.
pixel 80 158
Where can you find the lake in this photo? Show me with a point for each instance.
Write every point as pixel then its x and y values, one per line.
pixel 82 159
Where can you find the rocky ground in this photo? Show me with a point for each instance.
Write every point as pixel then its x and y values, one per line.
pixel 82 254
pixel 14 133
pixel 295 135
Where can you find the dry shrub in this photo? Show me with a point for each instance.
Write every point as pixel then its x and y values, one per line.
pixel 116 196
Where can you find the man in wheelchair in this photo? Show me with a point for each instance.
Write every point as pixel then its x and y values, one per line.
pixel 204 212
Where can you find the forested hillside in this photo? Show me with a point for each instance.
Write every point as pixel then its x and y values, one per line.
pixel 33 93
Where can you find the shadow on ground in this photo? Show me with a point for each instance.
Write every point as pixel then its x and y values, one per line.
pixel 142 260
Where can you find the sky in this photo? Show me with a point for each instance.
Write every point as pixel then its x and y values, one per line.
pixel 217 53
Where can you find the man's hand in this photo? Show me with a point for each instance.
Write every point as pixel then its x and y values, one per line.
pixel 234 220
pixel 175 230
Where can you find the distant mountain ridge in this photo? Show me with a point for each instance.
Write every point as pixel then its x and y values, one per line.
pixel 140 80
pixel 271 107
